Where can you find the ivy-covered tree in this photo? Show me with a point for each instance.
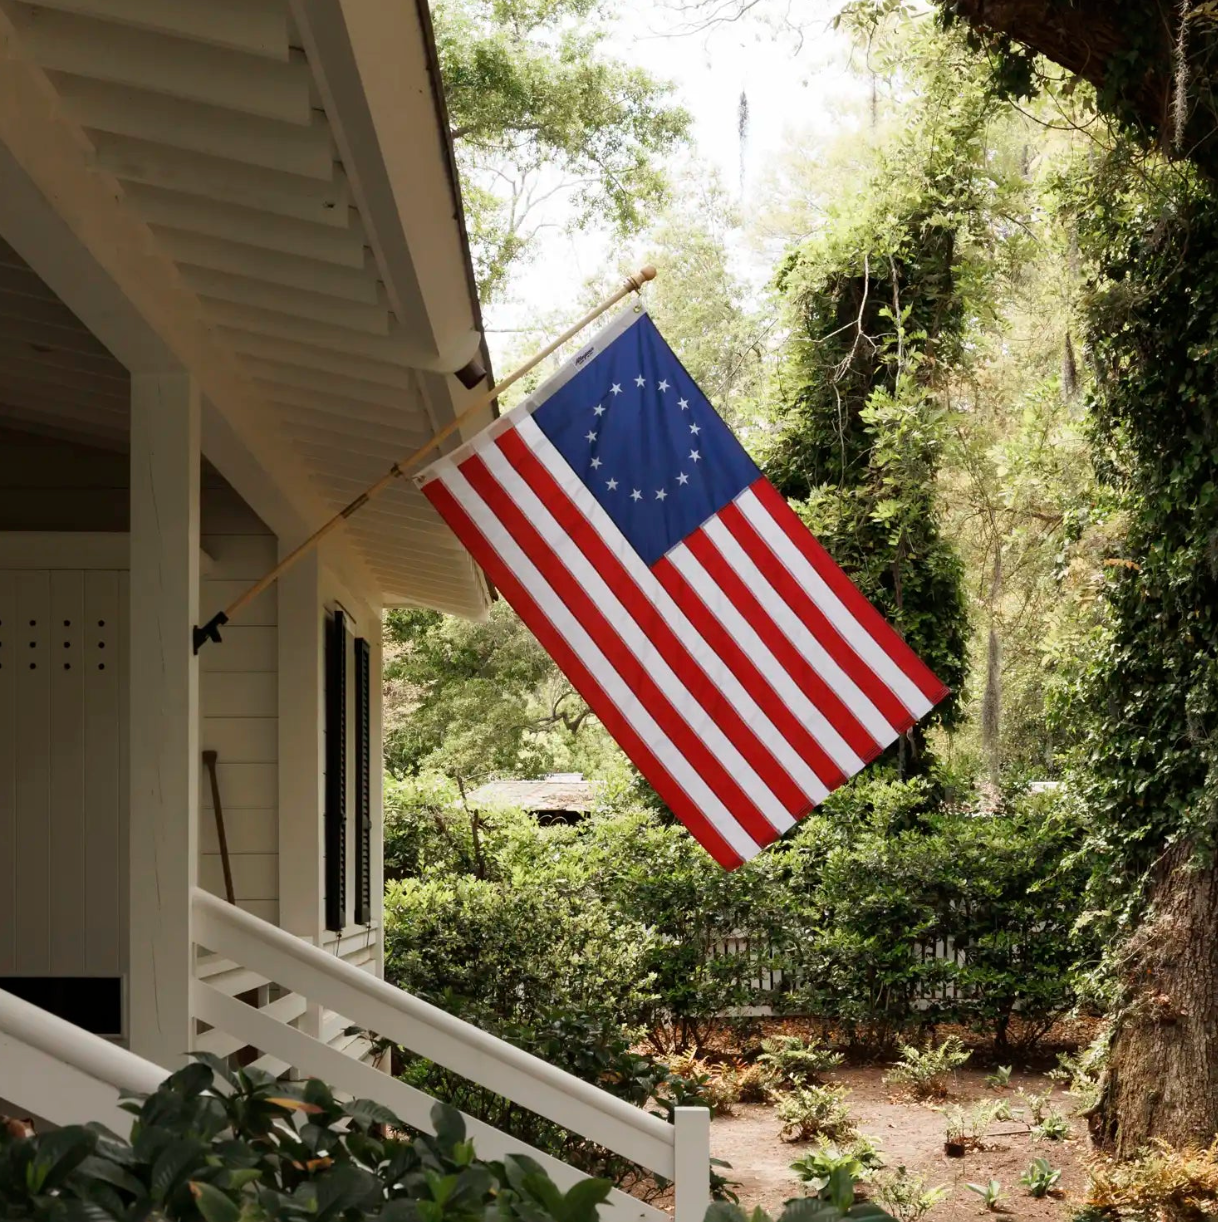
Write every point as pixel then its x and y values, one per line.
pixel 1146 694
pixel 879 301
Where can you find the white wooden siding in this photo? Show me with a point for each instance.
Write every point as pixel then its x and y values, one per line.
pixel 63 772
pixel 239 705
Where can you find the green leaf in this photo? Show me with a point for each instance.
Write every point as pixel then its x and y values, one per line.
pixel 367 1112
pixel 213 1204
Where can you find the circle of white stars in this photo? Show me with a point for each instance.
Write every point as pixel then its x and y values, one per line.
pixel 611 484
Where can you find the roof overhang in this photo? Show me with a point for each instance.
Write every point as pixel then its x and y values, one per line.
pixel 262 195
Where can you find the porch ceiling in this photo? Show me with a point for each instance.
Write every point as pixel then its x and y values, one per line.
pixel 262 172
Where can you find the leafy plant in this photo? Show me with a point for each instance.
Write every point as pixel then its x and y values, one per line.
pixel 1000 1079
pixel 990 1193
pixel 815 1111
pixel 1053 1126
pixel 925 1071
pixel 860 1159
pixel 791 1061
pixel 236 1154
pixel 1040 1177
pixel 839 1204
pixel 906 1196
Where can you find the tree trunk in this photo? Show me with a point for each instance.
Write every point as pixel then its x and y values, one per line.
pixel 1092 38
pixel 1162 1076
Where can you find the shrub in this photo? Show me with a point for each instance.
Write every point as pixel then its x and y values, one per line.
pixel 1164 1183
pixel 516 950
pixel 815 1111
pixel 235 1155
pixel 925 1072
pixel 905 1194
pixel 790 1061
pixel 1040 1177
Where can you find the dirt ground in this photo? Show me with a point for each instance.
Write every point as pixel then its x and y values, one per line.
pixel 911 1134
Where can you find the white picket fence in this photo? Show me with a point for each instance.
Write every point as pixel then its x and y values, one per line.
pixel 771 982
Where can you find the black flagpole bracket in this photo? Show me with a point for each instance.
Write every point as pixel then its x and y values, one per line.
pixel 210 631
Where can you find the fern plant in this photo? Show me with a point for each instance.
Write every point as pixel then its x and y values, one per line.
pixel 925 1072
pixel 790 1061
pixel 906 1196
pixel 815 1111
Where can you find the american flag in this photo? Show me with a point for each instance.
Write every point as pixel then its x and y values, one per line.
pixel 728 655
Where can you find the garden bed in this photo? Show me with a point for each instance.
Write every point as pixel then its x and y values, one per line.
pixel 912 1134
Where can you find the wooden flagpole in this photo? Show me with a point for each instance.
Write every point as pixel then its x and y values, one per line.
pixel 211 630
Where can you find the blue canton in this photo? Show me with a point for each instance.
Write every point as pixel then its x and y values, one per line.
pixel 636 429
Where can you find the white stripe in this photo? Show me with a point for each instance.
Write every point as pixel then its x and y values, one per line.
pixel 569 628
pixel 707 658
pixel 778 677
pixel 649 657
pixel 854 633
pixel 796 631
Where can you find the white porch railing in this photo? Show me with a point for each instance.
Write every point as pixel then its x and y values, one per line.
pixel 251 953
pixel 54 1070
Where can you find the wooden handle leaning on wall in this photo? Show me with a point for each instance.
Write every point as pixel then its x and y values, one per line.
pixel 209 762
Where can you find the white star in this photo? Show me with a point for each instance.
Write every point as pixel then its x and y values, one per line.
pixel 612 485
pixel 596 462
pixel 636 495
pixel 663 385
pixel 616 388
pixel 682 478
pixel 591 436
pixel 639 381
pixel 683 404
pixel 661 494
pixel 599 409
pixel 694 455
pixel 693 428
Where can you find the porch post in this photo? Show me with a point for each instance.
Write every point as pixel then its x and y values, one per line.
pixel 301 704
pixel 164 712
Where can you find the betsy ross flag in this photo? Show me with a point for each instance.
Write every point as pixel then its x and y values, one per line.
pixel 719 644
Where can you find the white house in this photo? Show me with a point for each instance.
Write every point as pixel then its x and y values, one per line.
pixel 234 287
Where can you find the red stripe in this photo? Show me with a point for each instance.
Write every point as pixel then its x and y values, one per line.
pixel 850 596
pixel 442 497
pixel 793 594
pixel 651 622
pixel 751 679
pixel 628 667
pixel 789 658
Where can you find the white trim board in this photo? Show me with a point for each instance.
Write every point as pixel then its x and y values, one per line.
pixel 38 549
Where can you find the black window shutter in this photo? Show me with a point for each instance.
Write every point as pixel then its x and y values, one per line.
pixel 363 783
pixel 336 772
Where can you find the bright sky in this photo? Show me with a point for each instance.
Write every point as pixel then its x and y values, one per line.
pixel 797 82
